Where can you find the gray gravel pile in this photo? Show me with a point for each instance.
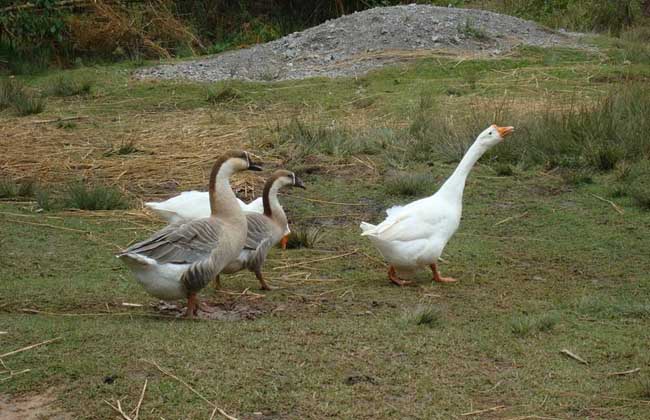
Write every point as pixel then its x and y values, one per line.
pixel 355 43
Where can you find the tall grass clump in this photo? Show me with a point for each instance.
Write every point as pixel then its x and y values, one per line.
pixel 436 135
pixel 94 197
pixel 13 189
pixel 597 136
pixel 15 95
pixel 525 325
pixel 423 315
pixel 66 85
pixel 299 139
pixel 410 184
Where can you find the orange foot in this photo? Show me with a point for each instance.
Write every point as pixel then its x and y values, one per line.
pixel 284 241
pixel 192 306
pixel 437 278
pixel 392 276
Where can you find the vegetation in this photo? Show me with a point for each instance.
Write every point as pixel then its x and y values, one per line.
pixel 542 265
pixel 34 37
pixel 14 95
pixel 65 85
pixel 94 197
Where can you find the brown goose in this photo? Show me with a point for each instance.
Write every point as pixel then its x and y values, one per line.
pixel 264 230
pixel 179 260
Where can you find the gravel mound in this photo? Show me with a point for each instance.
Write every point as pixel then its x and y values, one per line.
pixel 356 43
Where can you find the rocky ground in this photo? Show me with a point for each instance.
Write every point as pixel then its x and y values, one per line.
pixel 355 43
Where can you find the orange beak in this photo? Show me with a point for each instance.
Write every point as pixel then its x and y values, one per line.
pixel 504 131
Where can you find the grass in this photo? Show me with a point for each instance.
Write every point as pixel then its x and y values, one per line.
pixel 14 95
pixel 424 315
pixel 13 189
pixel 336 339
pixel 304 237
pixel 525 325
pixel 223 94
pixel 66 85
pixel 94 197
pixel 410 184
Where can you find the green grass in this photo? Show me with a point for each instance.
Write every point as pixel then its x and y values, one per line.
pixel 410 184
pixel 14 95
pixel 94 197
pixel 66 85
pixel 542 266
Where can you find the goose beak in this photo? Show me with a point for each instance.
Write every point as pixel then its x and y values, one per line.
pixel 505 131
pixel 298 183
pixel 253 166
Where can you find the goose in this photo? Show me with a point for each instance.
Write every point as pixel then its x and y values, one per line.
pixel 191 205
pixel 264 230
pixel 180 259
pixel 413 236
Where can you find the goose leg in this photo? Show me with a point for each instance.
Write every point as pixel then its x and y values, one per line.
pixel 437 278
pixel 265 285
pixel 284 241
pixel 392 276
pixel 192 306
pixel 217 282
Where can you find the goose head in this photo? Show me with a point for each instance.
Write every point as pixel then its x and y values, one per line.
pixel 282 178
pixel 493 135
pixel 234 161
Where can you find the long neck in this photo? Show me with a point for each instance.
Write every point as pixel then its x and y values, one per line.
pixel 272 207
pixel 455 184
pixel 222 199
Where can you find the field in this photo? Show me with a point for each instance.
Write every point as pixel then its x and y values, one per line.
pixel 550 255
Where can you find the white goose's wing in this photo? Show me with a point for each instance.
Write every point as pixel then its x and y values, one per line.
pixel 186 206
pixel 255 206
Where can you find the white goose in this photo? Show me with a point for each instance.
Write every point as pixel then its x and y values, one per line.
pixel 413 236
pixel 192 205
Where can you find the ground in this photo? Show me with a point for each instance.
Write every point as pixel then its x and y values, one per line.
pixel 543 266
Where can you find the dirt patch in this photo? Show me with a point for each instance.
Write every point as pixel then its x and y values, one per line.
pixel 224 311
pixel 354 44
pixel 27 407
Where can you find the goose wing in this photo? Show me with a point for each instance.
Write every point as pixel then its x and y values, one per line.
pixel 260 228
pixel 181 243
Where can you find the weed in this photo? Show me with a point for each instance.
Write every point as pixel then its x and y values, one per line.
pixel 28 103
pixel 44 200
pixel 66 125
pixel 224 94
pixel 126 148
pixel 427 315
pixel 610 309
pixel 504 169
pixel 643 388
pixel 14 94
pixel 470 30
pixel 524 325
pixel 410 184
pixel 304 237
pixel 94 197
pixel 298 139
pixel 66 85
pixel 13 189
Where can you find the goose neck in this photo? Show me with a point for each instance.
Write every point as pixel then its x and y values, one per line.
pixel 455 184
pixel 223 201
